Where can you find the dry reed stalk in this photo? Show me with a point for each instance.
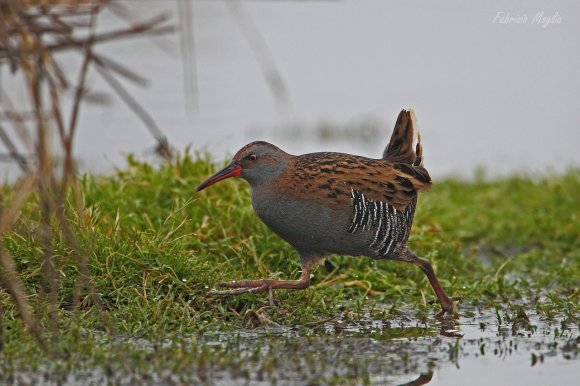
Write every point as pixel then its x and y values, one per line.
pixel 1 321
pixel 265 58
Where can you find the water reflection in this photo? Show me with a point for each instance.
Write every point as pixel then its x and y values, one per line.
pixel 422 379
pixel 450 328
pixel 391 348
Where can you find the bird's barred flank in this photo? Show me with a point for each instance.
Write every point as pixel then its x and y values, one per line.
pixel 391 226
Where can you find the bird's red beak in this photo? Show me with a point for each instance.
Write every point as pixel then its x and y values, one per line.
pixel 232 170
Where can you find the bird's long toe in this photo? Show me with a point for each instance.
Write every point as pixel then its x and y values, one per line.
pixel 238 290
pixel 242 283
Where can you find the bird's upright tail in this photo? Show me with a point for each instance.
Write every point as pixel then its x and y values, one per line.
pixel 400 147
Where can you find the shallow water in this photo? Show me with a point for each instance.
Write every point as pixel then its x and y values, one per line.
pixel 475 349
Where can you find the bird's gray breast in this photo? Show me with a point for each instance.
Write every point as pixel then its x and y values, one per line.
pixel 306 224
pixel 389 227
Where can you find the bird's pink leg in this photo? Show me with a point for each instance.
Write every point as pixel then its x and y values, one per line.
pixel 263 285
pixel 445 301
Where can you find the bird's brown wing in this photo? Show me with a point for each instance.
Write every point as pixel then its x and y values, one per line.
pixel 395 184
pixel 331 177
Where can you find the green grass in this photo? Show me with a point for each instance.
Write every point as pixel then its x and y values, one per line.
pixel 155 247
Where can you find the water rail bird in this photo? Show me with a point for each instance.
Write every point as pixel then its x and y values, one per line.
pixel 334 203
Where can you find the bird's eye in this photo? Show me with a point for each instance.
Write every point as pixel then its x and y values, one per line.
pixel 252 157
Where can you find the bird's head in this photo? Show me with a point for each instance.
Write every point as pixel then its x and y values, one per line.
pixel 257 162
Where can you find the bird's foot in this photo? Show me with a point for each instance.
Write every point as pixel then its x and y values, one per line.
pixel 447 307
pixel 260 285
pixel 245 287
pixel 241 287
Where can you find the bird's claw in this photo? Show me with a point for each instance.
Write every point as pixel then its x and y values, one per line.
pixel 444 314
pixel 448 308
